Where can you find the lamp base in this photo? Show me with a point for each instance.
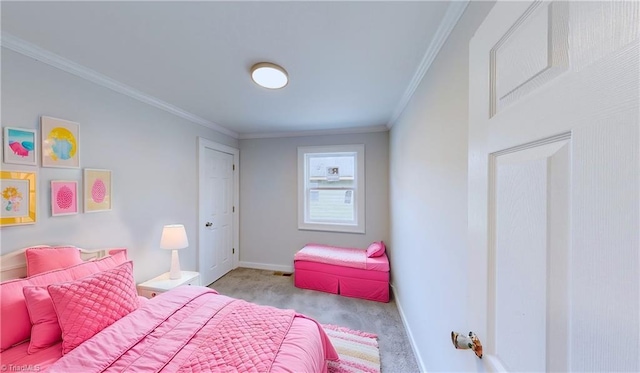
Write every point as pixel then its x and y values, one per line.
pixel 175 273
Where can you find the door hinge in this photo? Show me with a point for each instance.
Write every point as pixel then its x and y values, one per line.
pixel 233 250
pixel 234 167
pixel 233 209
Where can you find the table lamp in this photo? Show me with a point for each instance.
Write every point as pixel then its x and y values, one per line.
pixel 174 237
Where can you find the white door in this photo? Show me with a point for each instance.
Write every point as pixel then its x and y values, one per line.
pixel 554 198
pixel 216 209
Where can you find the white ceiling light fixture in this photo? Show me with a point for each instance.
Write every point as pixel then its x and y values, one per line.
pixel 269 75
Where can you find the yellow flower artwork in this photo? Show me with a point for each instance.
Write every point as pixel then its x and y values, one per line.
pixel 17 198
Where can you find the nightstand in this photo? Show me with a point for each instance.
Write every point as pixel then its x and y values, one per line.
pixel 162 283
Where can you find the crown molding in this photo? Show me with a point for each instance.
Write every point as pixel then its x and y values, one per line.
pixel 449 21
pixel 336 131
pixel 30 50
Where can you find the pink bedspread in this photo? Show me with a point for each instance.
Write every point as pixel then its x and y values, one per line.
pixel 342 256
pixel 192 329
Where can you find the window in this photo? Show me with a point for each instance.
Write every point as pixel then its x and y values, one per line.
pixel 331 188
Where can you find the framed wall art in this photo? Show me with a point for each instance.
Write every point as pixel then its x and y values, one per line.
pixel 17 198
pixel 60 143
pixel 97 190
pixel 64 197
pixel 20 146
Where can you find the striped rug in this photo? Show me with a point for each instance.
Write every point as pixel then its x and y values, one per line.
pixel 358 350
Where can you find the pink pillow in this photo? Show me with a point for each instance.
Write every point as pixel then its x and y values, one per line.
pixel 45 331
pixel 16 329
pixel 85 307
pixel 49 258
pixel 375 249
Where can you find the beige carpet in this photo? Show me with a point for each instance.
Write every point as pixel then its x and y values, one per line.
pixel 358 350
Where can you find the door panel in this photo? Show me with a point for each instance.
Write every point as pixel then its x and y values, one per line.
pixel 532 52
pixel 520 265
pixel 527 255
pixel 554 219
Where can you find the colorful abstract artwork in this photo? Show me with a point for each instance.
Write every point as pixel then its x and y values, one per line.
pixel 64 197
pixel 17 198
pixel 60 143
pixel 20 146
pixel 97 190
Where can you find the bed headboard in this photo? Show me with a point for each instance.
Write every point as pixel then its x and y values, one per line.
pixel 14 264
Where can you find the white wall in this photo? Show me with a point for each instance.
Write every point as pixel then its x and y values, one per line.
pixel 269 198
pixel 428 194
pixel 153 156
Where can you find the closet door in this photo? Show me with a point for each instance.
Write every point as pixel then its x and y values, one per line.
pixel 218 219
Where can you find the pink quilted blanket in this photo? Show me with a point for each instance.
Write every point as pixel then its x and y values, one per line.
pixel 343 256
pixel 190 329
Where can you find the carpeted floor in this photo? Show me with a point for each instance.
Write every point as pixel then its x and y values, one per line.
pixel 383 319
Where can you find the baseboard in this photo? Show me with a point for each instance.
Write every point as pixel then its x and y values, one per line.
pixel 412 341
pixel 268 267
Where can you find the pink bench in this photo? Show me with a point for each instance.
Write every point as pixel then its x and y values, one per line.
pixel 345 271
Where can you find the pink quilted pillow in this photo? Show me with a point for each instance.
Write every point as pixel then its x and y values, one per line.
pixel 375 249
pixel 49 258
pixel 85 307
pixel 45 331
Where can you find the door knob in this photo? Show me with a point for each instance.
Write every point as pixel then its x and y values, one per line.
pixel 208 224
pixel 464 342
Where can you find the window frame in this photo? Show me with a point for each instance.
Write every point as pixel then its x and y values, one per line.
pixel 359 190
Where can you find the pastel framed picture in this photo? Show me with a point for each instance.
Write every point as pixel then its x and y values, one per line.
pixel 64 197
pixel 97 190
pixel 20 146
pixel 17 198
pixel 60 143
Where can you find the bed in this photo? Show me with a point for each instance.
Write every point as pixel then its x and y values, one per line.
pixel 102 325
pixel 350 272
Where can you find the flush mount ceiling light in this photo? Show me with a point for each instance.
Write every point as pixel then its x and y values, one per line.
pixel 269 75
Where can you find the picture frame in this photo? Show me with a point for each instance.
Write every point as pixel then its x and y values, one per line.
pixel 20 146
pixel 60 141
pixel 97 190
pixel 18 203
pixel 64 197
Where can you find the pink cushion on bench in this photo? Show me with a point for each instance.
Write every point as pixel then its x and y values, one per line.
pixel 345 271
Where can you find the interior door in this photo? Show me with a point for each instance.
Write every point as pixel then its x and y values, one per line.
pixel 216 250
pixel 554 187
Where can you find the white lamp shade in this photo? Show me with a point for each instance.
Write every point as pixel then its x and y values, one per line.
pixel 174 237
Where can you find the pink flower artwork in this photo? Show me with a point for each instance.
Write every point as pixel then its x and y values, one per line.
pixel 64 198
pixel 98 191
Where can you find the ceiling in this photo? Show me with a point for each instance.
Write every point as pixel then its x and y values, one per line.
pixel 351 64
